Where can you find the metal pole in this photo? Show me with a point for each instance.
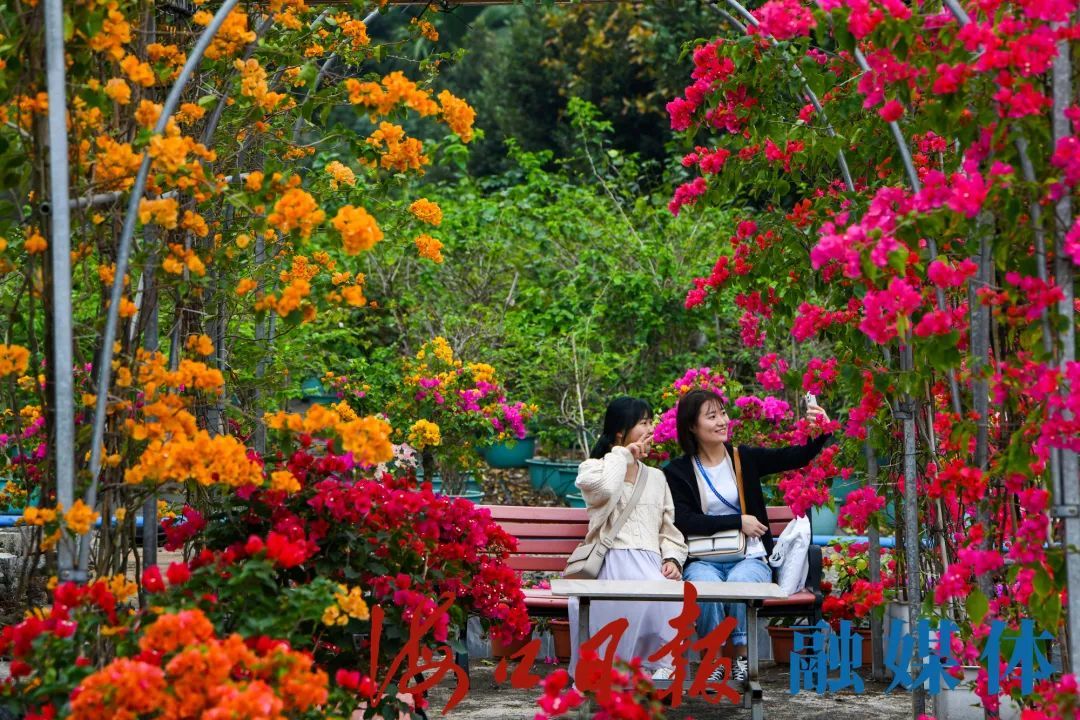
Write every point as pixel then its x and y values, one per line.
pixel 911 527
pixel 1067 496
pixel 60 244
pixel 104 369
pixel 810 95
pixel 877 650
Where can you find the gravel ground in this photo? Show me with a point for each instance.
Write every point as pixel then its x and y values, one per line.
pixel 488 700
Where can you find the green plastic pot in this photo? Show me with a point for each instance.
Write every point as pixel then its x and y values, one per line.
pixel 575 500
pixel 474 496
pixel 509 453
pixel 563 482
pixel 541 472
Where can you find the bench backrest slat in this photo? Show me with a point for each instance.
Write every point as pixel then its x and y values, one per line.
pixel 547 536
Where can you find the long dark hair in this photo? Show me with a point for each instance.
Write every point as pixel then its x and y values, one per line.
pixel 623 413
pixel 686 416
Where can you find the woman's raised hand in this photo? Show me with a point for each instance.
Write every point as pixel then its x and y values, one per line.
pixel 815 413
pixel 752 527
pixel 639 449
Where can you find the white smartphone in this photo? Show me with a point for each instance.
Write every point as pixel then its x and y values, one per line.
pixel 811 400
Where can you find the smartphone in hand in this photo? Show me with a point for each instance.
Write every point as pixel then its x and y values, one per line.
pixel 811 400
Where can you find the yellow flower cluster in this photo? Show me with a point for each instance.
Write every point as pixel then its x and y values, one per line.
pixel 138 71
pixel 231 37
pixel 115 164
pixel 206 460
pixel 163 212
pixel 118 90
pixel 382 98
pixel 424 434
pixel 426 29
pixel 359 231
pixel 429 247
pixel 367 438
pixel 253 85
pixel 80 518
pixel 201 344
pixel 457 114
pixel 121 587
pixel 426 211
pixel 353 29
pixel 296 210
pixel 482 372
pixel 285 481
pixel 115 32
pixel 38 516
pixel 350 604
pixel 13 359
pixel 340 174
pixel 179 258
pixel 399 153
pixel 35 243
pixel 301 269
pixel 168 54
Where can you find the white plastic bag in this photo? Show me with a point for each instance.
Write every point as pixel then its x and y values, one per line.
pixel 790 555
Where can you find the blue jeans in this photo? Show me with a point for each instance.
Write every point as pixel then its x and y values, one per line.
pixel 713 613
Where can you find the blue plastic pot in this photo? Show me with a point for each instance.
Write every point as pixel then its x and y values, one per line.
pixel 510 453
pixel 822 521
pixel 575 500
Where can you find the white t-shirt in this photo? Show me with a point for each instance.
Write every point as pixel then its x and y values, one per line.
pixel 723 479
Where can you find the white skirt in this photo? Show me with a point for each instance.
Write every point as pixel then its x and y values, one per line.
pixel 649 627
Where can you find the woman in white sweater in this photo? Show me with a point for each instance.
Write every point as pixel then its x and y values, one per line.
pixel 648 546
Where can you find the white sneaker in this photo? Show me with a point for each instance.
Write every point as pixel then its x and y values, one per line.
pixel 663 673
pixel 740 671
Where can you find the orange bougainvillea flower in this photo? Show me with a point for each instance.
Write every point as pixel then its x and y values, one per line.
pixel 201 344
pixel 118 90
pixel 296 210
pixel 13 359
pixel 245 286
pixel 430 248
pixel 458 116
pixel 115 164
pixel 138 71
pixel 35 243
pixel 115 32
pixel 426 211
pixel 359 231
pixel 341 174
pixel 231 36
pixel 162 212
pixel 399 153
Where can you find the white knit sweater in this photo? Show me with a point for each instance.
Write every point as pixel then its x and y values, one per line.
pixel 651 525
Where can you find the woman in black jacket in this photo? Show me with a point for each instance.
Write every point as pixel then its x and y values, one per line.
pixel 704 490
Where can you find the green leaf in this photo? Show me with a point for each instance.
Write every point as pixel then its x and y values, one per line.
pixel 977 606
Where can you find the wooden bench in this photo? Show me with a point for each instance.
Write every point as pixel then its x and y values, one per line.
pixel 546 537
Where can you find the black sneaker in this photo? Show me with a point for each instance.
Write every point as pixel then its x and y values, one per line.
pixel 740 671
pixel 718 675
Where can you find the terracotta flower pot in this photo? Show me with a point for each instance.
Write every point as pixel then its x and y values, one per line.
pixel 560 634
pixel 500 649
pixel 783 642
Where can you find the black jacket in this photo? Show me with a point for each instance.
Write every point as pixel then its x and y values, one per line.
pixel 756 463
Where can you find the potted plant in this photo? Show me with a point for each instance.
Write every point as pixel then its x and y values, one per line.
pixel 849 592
pixel 448 408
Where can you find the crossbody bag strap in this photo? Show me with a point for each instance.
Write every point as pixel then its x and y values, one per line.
pixel 624 514
pixel 738 481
